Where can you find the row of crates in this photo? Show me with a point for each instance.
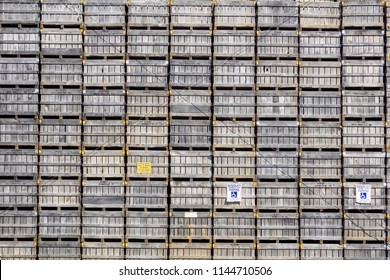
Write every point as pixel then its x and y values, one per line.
pixel 226 13
pixel 231 43
pixel 222 251
pixel 194 225
pixel 227 43
pixel 69 193
pixel 227 104
pixel 240 74
pixel 189 163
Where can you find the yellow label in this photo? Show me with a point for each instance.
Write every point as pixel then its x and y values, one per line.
pixel 144 167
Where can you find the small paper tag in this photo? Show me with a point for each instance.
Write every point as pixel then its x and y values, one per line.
pixel 233 193
pixel 363 194
pixel 144 167
pixel 191 214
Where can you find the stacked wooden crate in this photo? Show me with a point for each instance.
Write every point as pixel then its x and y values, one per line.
pixel 190 129
pixel 234 147
pixel 60 130
pixel 320 199
pixel 364 129
pixel 147 130
pixel 19 90
pixel 104 137
pixel 277 129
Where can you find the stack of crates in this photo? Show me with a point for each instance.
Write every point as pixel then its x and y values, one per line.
pixel 60 130
pixel 19 91
pixel 190 129
pixel 277 129
pixel 364 129
pixel 104 137
pixel 234 146
pixel 147 129
pixel 320 130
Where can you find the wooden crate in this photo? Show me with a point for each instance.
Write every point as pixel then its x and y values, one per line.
pixel 277 43
pixel 18 224
pixel 18 250
pixel 320 74
pixel 277 73
pixel 55 41
pixel 363 43
pixel 365 227
pixel 20 101
pixel 234 225
pixel 321 195
pixel 366 165
pixel 320 14
pixel 326 165
pixel 234 73
pixel 320 44
pixel 56 12
pixel 146 251
pixel 191 164
pixel 104 103
pixel 234 251
pixel 234 164
pixel 59 193
pixel 104 42
pixel 148 194
pixel 234 104
pixel 321 135
pixel 320 104
pixel 59 162
pixel 59 250
pixel 248 196
pixel 20 41
pixel 234 134
pixel 234 43
pixel 104 132
pixel 190 133
pixel 18 162
pixel 284 14
pixel 153 13
pixel 277 165
pixel 158 161
pixel 277 134
pixel 278 251
pixel 378 196
pixel 277 104
pixel 234 13
pixel 103 224
pixel 277 195
pixel 363 73
pixel 103 163
pixel 60 132
pixel 147 73
pixel 19 131
pixel 190 225
pixel 61 102
pixel 59 224
pixel 108 13
pixel 21 193
pixel 189 251
pixel 321 252
pixel 363 13
pixel 153 43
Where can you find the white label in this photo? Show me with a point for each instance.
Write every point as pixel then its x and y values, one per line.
pixel 233 193
pixel 363 194
pixel 191 214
